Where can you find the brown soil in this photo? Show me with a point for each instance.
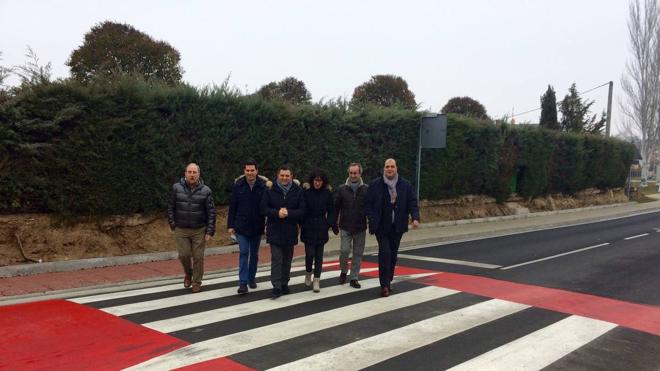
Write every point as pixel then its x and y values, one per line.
pixel 43 239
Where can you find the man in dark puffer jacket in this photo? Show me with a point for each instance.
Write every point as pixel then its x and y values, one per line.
pixel 191 215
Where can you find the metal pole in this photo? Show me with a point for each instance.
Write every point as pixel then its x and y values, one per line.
pixel 609 109
pixel 419 157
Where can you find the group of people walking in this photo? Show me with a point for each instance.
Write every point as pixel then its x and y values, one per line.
pixel 282 209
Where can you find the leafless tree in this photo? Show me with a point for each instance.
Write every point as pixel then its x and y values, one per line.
pixel 641 80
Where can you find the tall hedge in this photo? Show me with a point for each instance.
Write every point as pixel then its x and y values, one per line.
pixel 117 147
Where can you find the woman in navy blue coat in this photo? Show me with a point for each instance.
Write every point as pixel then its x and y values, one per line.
pixel 319 215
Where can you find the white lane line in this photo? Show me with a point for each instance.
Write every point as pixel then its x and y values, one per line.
pixel 449 261
pixel 172 287
pixel 556 256
pixel 540 348
pixel 270 334
pixel 173 301
pixel 369 351
pixel 509 233
pixel 637 236
pixel 245 309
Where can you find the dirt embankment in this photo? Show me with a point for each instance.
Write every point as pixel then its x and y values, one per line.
pixel 42 239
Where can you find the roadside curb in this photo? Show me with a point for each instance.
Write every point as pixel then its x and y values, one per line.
pixel 521 216
pixel 74 265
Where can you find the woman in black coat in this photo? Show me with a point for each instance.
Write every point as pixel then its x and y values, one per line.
pixel 319 214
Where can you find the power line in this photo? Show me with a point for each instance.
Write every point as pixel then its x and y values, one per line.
pixel 558 103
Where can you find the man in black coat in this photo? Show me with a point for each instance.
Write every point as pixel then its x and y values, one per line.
pixel 245 220
pixel 390 201
pixel 284 207
pixel 352 225
pixel 191 215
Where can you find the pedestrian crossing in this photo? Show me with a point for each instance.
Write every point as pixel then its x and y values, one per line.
pixel 422 325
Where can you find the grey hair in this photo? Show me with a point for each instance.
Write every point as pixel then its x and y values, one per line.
pixel 354 164
pixel 197 166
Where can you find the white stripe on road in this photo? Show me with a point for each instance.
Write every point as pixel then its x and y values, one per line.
pixel 249 308
pixel 556 256
pixel 375 349
pixel 638 236
pixel 270 334
pixel 177 286
pixel 449 261
pixel 144 306
pixel 540 348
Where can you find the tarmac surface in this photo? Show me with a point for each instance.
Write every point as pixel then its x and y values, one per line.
pixel 40 281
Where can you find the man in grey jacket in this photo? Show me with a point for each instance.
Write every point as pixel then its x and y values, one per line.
pixel 352 226
pixel 191 215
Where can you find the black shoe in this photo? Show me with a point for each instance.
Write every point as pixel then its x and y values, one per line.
pixel 355 284
pixel 253 285
pixel 285 290
pixel 384 292
pixel 242 289
pixel 342 278
pixel 276 292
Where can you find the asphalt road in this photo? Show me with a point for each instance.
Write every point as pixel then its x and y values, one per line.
pixel 626 268
pixel 583 297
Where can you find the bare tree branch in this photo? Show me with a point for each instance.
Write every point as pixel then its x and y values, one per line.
pixel 641 80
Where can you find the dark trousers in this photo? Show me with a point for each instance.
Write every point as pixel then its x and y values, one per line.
pixel 388 248
pixel 280 265
pixel 314 255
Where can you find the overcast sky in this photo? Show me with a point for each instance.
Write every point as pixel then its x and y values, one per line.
pixel 503 53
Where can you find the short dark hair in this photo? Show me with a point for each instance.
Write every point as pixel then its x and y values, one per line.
pixel 284 167
pixel 318 173
pixel 250 162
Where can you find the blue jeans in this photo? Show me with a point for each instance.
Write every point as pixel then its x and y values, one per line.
pixel 248 258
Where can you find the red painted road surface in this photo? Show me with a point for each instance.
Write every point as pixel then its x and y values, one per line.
pixel 59 335
pixel 102 276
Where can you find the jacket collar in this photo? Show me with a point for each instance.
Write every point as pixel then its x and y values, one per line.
pixel 360 182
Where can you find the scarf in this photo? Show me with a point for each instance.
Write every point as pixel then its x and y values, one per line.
pixel 391 186
pixel 284 188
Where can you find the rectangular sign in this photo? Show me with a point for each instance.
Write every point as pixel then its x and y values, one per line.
pixel 434 131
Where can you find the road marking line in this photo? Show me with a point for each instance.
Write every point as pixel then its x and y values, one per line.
pixel 555 256
pixel 176 286
pixel 372 350
pixel 638 236
pixel 640 317
pixel 173 301
pixel 509 233
pixel 245 309
pixel 282 331
pixel 540 348
pixel 449 261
